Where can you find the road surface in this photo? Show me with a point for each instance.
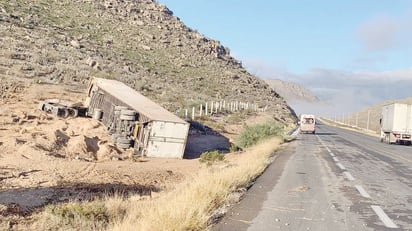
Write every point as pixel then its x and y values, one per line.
pixel 334 180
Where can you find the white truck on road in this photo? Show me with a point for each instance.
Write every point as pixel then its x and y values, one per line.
pixel 396 124
pixel 307 123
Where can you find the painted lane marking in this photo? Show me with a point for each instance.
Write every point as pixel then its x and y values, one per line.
pixel 384 218
pixel 362 191
pixel 331 154
pixel 335 159
pixel 341 166
pixel 349 176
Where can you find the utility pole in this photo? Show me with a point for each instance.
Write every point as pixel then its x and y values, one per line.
pixel 367 124
pixel 356 125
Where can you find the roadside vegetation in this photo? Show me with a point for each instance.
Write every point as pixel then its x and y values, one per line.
pixel 251 135
pixel 211 157
pixel 192 205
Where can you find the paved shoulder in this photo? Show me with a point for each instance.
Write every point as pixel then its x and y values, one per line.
pixel 240 216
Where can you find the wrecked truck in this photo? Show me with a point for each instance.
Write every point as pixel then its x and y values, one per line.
pixel 135 121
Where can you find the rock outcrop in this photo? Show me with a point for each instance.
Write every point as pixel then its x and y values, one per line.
pixel 292 91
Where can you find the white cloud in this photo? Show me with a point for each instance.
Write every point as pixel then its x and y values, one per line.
pixel 383 33
pixel 379 34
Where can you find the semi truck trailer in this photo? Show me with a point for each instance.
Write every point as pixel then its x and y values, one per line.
pixel 396 123
pixel 135 121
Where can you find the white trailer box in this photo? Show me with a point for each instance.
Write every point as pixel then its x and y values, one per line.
pixel 396 123
pixel 156 132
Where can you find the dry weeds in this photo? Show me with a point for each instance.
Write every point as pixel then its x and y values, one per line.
pixel 190 205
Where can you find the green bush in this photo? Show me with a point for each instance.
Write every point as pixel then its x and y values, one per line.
pixel 92 214
pixel 251 135
pixel 211 157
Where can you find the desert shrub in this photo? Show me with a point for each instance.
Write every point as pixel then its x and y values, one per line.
pixel 89 215
pixel 251 135
pixel 211 157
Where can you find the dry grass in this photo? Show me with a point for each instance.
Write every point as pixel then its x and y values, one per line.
pixel 188 207
pixel 192 203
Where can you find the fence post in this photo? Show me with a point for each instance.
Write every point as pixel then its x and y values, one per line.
pixel 193 113
pixel 185 114
pixel 206 109
pixel 201 109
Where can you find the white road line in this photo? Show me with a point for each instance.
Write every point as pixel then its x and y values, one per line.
pixel 362 191
pixel 384 218
pixel 331 154
pixel 349 176
pixel 335 159
pixel 341 166
pixel 327 149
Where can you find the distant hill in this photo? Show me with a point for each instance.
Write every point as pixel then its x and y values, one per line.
pixel 291 91
pixel 140 43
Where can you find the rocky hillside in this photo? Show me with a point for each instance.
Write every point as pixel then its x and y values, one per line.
pixel 138 42
pixel 292 91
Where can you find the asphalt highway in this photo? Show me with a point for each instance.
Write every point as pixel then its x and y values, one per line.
pixel 333 180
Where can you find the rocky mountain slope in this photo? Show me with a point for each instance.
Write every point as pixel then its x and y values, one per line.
pixel 292 91
pixel 138 42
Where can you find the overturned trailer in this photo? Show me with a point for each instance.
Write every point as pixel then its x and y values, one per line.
pixel 135 121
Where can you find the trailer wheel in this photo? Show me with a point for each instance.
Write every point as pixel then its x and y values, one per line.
pixel 73 112
pixel 128 117
pixel 122 140
pixel 119 108
pixel 41 106
pixel 124 146
pixel 128 112
pixel 65 113
pixel 114 137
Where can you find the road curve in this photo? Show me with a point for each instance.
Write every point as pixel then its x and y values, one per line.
pixel 336 179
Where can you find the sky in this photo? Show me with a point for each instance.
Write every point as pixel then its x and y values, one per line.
pixel 351 54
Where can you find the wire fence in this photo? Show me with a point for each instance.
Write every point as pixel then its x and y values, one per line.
pixel 215 107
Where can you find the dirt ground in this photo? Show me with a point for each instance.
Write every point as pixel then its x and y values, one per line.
pixel 45 159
